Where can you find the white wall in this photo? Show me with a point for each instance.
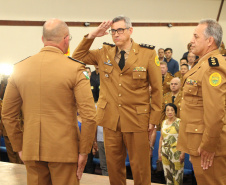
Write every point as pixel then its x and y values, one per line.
pixel 18 42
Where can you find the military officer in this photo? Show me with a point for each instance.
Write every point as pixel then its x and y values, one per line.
pixel 174 96
pixel 51 87
pixel 166 78
pixel 126 70
pixel 203 122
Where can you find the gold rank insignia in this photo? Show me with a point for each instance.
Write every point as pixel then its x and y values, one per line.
pixel 213 62
pixel 215 79
pixel 157 61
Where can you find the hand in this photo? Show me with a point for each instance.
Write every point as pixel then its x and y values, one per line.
pixel 160 157
pixel 20 155
pixel 82 159
pixel 182 156
pixel 101 30
pixel 206 158
pixel 150 130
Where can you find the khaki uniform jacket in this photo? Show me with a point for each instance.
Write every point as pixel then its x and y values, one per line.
pixel 49 86
pixel 167 98
pixel 203 115
pixel 166 83
pixel 124 94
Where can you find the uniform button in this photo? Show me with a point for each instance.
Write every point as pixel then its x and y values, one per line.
pixel 189 90
pixel 120 85
pixel 119 105
pixel 139 75
pixel 119 95
pixel 145 110
pixel 182 98
pixel 196 129
pixel 121 74
pixel 180 109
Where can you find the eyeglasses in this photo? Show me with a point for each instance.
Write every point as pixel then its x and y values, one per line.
pixel 70 37
pixel 119 31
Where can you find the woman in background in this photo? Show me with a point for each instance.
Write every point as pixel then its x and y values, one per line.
pixel 172 159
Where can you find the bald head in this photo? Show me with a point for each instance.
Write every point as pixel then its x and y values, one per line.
pixel 175 85
pixel 54 30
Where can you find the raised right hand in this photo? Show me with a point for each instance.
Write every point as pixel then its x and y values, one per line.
pixel 101 30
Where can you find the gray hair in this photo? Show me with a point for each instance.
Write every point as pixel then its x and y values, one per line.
pixel 214 30
pixel 123 18
pixel 54 30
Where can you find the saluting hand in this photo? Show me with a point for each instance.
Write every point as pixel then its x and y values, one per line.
pixel 82 159
pixel 206 158
pixel 101 30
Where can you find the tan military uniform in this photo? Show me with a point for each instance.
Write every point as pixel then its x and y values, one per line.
pixel 166 83
pixel 124 107
pixel 167 98
pixel 203 121
pixel 51 87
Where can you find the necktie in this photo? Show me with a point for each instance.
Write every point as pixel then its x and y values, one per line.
pixel 122 60
pixel 163 77
pixel 173 97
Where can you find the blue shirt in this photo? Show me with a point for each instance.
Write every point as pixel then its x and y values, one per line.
pixel 172 65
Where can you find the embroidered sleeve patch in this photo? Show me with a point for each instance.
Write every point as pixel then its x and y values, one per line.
pixel 215 79
pixel 86 74
pixel 157 61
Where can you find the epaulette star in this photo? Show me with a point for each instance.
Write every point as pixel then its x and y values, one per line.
pixel 147 46
pixel 76 60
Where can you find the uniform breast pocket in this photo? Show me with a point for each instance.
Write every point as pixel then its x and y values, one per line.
pixel 190 93
pixel 139 77
pixel 107 72
pixel 194 131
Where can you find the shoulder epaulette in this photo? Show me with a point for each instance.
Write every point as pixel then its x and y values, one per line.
pixel 76 60
pixel 112 45
pixel 213 62
pixel 147 46
pixel 22 60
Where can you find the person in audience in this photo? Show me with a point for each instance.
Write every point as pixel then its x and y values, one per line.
pixel 101 150
pixel 191 60
pixel 203 124
pixel 185 55
pixel 95 83
pixel 166 77
pixel 88 71
pixel 174 96
pixel 50 86
pixel 161 54
pixel 126 70
pixel 183 61
pixel 172 64
pixel 172 159
pixel 184 69
pixel 13 156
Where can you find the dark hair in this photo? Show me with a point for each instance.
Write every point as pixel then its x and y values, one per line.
pixel 168 49
pixel 184 59
pixel 171 105
pixel 185 65
pixel 88 68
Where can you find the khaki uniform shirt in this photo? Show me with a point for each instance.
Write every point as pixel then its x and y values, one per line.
pixel 203 107
pixel 51 87
pixel 124 94
pixel 167 98
pixel 166 83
